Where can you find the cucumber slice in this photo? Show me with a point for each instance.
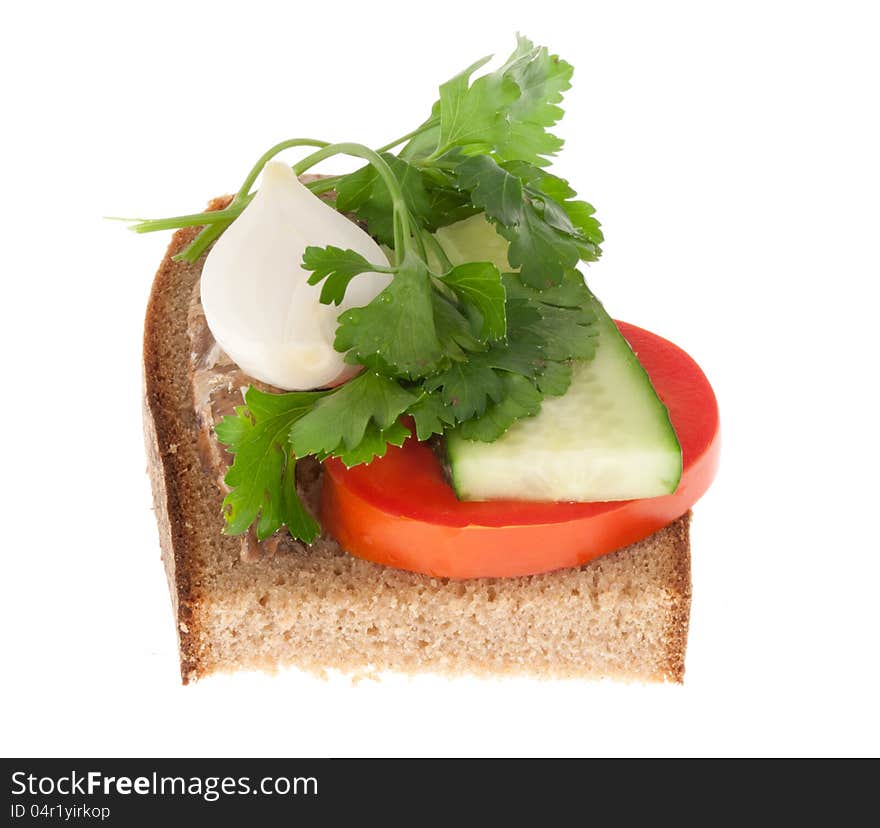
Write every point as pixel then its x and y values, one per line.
pixel 607 438
pixel 474 239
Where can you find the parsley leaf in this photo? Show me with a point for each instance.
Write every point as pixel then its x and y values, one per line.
pixel 338 423
pixel 338 267
pixel 467 388
pixel 546 330
pixel 564 332
pixel 492 187
pixel 473 116
pixel 506 112
pixel 537 178
pixel 521 399
pixel 432 203
pixel 454 330
pixel 555 379
pixel 395 333
pixel 453 341
pixel 431 415
pixel 546 237
pixel 580 214
pixel 366 195
pixel 554 196
pixel 540 252
pixel 479 285
pixel 375 444
pixel 262 476
pixel 355 189
pixel 541 79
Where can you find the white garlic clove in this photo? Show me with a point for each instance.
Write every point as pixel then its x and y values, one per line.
pixel 255 294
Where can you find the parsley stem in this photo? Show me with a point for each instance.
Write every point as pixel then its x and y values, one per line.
pixel 430 124
pixel 402 237
pixel 438 249
pixel 445 291
pixel 322 185
pixel 212 231
pixel 419 237
pixel 208 234
pixel 438 152
pixel 194 219
pixel 214 223
pixel 268 155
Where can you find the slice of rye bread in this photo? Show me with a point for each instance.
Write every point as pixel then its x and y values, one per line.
pixel 623 616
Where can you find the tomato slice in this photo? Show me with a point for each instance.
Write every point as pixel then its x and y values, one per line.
pixel 400 511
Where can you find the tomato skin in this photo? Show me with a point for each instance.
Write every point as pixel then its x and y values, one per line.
pixel 400 511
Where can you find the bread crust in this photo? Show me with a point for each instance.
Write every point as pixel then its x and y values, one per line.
pixel 644 589
pixel 169 429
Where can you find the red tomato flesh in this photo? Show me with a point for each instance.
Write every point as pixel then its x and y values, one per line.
pixel 400 511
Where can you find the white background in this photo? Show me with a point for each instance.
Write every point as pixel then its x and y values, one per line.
pixel 732 153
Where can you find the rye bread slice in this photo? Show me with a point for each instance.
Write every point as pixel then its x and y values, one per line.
pixel 623 616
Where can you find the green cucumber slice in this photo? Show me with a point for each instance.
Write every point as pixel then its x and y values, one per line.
pixel 474 239
pixel 607 438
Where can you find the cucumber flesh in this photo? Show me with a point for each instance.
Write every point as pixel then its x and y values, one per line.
pixel 607 438
pixel 474 239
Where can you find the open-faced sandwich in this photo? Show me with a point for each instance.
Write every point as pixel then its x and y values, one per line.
pixel 390 427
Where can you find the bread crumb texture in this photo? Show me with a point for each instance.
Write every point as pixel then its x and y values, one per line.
pixel 623 616
pixel 322 608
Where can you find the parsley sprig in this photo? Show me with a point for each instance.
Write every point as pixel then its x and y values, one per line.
pixel 464 345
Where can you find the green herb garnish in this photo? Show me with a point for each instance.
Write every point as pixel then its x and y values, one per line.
pixel 461 346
